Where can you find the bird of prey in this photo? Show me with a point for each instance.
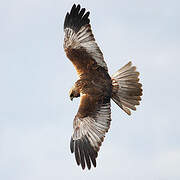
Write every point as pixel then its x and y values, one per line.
pixel 95 87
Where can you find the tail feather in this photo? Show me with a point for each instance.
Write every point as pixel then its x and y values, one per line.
pixel 127 90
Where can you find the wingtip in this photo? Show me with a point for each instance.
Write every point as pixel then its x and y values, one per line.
pixel 73 8
pixel 84 153
pixel 72 145
pixel 76 18
pixel 79 6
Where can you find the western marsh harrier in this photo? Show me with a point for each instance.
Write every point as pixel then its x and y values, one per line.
pixel 95 87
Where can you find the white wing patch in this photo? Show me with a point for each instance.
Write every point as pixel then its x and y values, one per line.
pixel 84 39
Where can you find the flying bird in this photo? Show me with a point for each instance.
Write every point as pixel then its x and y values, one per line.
pixel 95 87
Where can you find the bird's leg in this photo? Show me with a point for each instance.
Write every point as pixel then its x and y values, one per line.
pixel 74 92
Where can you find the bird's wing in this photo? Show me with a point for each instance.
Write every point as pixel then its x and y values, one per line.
pixel 90 125
pixel 79 42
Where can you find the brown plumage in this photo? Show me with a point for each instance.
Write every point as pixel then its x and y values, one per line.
pixel 95 87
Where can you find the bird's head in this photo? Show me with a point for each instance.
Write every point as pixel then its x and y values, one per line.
pixel 73 94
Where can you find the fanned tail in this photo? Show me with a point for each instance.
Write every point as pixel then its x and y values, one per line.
pixel 127 90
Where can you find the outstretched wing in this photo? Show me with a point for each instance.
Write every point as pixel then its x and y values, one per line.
pixel 79 42
pixel 90 125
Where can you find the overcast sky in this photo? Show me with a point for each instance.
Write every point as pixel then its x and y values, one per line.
pixel 36 113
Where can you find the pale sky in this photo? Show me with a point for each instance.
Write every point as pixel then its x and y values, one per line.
pixel 36 114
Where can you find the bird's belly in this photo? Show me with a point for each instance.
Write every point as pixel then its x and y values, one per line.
pixel 97 87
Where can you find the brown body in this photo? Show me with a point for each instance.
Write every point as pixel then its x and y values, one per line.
pixel 93 81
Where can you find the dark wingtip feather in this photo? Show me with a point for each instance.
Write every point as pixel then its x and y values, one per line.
pixel 77 155
pixel 91 152
pixel 76 18
pixel 72 145
pixel 84 152
pixel 81 151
